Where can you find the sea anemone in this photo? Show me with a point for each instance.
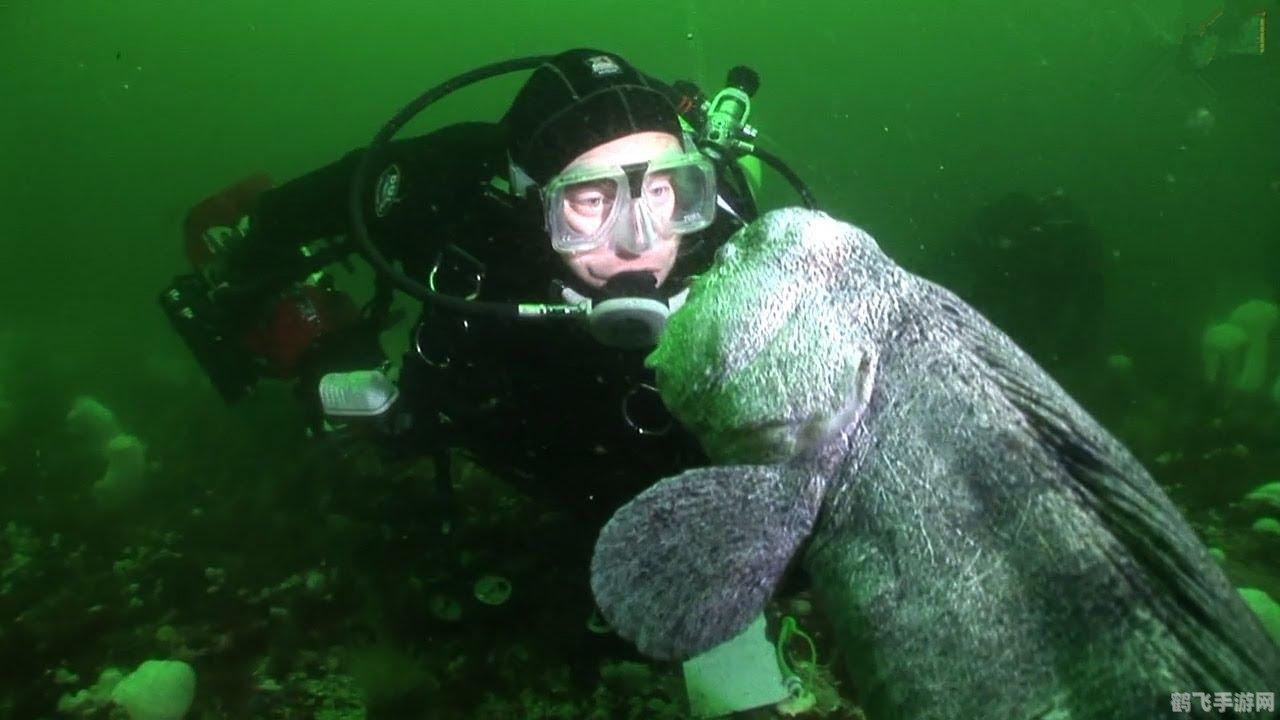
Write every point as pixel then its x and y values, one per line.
pixel 1266 496
pixel 1257 318
pixel 493 589
pixel 1223 346
pixel 1267 526
pixel 1265 608
pixel 93 420
pixel 126 466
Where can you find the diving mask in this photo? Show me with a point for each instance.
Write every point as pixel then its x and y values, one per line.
pixel 631 207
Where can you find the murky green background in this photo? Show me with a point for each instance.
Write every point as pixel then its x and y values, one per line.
pixel 905 118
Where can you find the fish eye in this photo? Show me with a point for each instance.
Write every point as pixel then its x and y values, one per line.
pixel 726 252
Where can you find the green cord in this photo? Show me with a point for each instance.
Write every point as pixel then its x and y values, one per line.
pixel 791 627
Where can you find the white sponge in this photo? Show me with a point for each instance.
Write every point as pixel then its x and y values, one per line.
pixel 157 690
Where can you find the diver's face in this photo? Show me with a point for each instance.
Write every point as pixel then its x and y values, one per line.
pixel 584 210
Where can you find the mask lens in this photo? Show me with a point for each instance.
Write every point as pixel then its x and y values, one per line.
pixel 588 204
pixel 659 196
pixel 581 207
pixel 680 194
pixel 585 208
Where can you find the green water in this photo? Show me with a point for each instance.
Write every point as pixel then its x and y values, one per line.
pixel 904 118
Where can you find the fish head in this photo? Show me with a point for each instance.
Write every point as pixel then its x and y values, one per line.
pixel 775 349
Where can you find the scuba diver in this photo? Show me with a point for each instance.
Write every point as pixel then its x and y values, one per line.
pixel 547 248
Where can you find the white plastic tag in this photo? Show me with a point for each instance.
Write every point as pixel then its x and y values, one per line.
pixel 739 674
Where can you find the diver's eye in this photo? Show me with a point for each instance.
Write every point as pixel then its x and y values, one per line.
pixel 590 205
pixel 658 188
pixel 589 199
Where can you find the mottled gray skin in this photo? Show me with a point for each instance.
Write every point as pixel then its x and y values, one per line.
pixel 984 548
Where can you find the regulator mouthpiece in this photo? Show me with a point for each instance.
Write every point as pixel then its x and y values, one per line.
pixel 632 315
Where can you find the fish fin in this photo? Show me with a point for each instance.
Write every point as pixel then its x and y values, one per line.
pixel 689 562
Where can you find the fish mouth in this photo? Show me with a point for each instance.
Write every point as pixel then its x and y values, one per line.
pixel 759 442
pixel 779 438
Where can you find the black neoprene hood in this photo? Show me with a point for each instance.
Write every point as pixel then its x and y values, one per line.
pixel 577 100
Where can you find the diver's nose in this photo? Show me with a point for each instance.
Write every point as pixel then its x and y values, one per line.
pixel 633 241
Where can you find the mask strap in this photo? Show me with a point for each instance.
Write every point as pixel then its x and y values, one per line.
pixel 724 205
pixel 520 180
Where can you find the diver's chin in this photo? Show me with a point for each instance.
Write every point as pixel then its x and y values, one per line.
pixel 598 278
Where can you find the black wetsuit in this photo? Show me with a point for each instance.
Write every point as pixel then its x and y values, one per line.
pixel 539 402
